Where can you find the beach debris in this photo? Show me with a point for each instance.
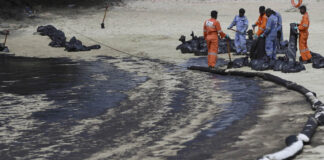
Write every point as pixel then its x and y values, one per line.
pixel 257 50
pixel 57 36
pixel 317 60
pixel 292 44
pixel 241 62
pixel 75 45
pixel 198 45
pixel 277 65
pixel 59 40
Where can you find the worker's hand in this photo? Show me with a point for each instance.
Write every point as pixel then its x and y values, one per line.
pixel 255 36
pixel 227 36
pixel 253 26
pixel 262 35
pixel 229 27
pixel 296 27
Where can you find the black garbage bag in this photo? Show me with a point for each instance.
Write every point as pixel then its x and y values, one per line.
pixel 262 64
pixel 203 44
pixel 201 52
pixel 292 44
pixel 318 63
pixel 317 60
pixel 257 50
pixel 57 36
pixel 316 55
pixel 58 40
pixel 222 45
pixel 292 67
pixel 241 62
pixel 198 45
pixel 278 65
pixel 75 45
pixel 249 43
pixel 282 47
pixel 185 48
pixel 250 34
pixel 194 45
pixel 48 30
pixel 202 48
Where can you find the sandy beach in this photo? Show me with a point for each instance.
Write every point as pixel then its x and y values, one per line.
pixel 151 29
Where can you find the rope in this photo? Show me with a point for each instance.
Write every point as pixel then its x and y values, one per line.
pixel 101 43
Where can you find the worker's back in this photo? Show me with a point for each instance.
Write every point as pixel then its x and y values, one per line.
pixel 272 26
pixel 211 28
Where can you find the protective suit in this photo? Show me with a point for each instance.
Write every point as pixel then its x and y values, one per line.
pixel 241 24
pixel 261 23
pixel 271 36
pixel 211 30
pixel 280 33
pixel 303 36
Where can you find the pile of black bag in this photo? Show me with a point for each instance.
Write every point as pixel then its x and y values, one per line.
pixel 198 45
pixel 286 64
pixel 260 62
pixel 264 63
pixel 59 40
pixel 317 60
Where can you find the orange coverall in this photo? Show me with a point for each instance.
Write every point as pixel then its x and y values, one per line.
pixel 211 30
pixel 261 23
pixel 303 36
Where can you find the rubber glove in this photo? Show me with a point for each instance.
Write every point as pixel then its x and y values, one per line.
pixel 227 36
pixel 253 25
pixel 262 35
pixel 229 27
pixel 296 27
pixel 255 36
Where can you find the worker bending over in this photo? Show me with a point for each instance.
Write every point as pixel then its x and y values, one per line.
pixel 303 36
pixel 211 30
pixel 270 33
pixel 261 22
pixel 241 23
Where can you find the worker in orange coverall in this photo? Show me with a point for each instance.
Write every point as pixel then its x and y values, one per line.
pixel 303 36
pixel 261 22
pixel 211 30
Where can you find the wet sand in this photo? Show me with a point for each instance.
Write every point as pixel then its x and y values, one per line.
pixel 150 29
